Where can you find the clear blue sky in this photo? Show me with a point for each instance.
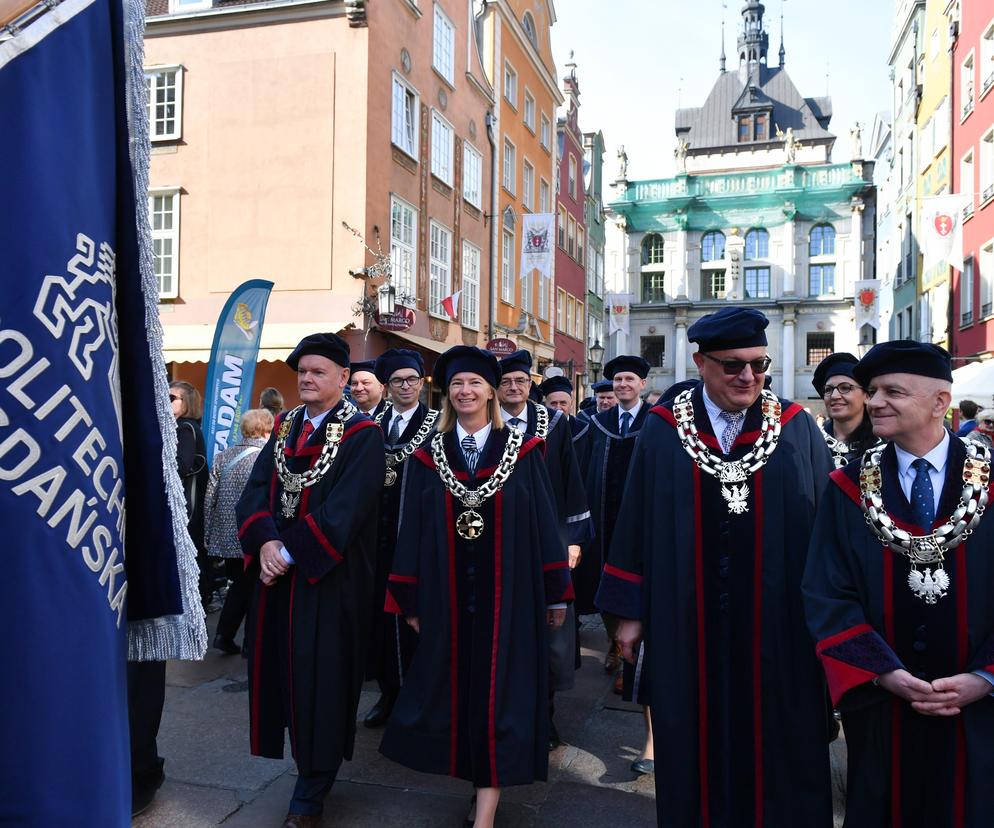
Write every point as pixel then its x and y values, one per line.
pixel 639 60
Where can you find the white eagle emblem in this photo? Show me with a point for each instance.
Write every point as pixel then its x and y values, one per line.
pixel 928 586
pixel 737 498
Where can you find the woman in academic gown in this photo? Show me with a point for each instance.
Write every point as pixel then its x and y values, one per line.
pixel 476 567
pixel 848 431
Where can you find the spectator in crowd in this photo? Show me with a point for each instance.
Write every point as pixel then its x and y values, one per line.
pixel 968 417
pixel 272 400
pixel 228 477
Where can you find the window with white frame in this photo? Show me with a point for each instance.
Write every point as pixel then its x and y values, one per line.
pixel 968 183
pixel 180 6
pixel 544 196
pixel 442 139
pixel 529 113
pixel 571 236
pixel 164 101
pixel 987 279
pixel 967 86
pixel 472 175
pixel 439 267
pixel 987 60
pixel 507 174
pixel 507 267
pixel 510 85
pixel 528 291
pixel 469 302
pixel 562 227
pixel 966 293
pixel 163 214
pixel 545 136
pixel 987 166
pixel 561 309
pixel 404 131
pixel 544 287
pixel 925 317
pixel 570 313
pixel 444 46
pixel 821 260
pixel 403 247
pixel 581 316
pixel 528 185
pixel 581 243
pixel 572 176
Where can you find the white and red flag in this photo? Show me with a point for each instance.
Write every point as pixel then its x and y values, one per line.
pixel 450 304
pixel 941 231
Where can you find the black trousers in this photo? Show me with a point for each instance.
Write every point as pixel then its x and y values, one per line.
pixel 236 601
pixel 146 696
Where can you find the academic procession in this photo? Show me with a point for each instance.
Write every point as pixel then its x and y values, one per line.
pixel 435 526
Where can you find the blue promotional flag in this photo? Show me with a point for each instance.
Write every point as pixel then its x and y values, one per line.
pixel 98 567
pixel 231 371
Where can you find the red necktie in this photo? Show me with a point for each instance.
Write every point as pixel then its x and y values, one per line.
pixel 305 433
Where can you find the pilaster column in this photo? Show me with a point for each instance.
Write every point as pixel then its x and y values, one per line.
pixel 789 251
pixel 856 245
pixel 681 283
pixel 680 350
pixel 787 353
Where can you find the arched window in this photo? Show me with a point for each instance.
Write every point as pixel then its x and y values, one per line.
pixel 821 260
pixel 822 242
pixel 713 246
pixel 529 25
pixel 757 244
pixel 652 249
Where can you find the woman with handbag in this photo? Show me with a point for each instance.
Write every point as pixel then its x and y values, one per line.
pixel 229 473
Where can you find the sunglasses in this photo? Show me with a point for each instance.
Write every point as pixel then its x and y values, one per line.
pixel 173 398
pixel 734 367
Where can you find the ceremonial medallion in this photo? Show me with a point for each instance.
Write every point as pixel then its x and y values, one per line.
pixel 390 477
pixel 469 525
pixel 926 551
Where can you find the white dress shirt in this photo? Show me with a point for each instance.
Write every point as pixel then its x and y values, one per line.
pixel 480 436
pixel 718 424
pixel 937 468
pixel 522 418
pixel 634 411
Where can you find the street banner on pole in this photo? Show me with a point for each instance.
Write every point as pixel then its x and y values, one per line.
pixel 537 247
pixel 231 370
pixel 868 303
pixel 86 428
pixel 941 231
pixel 619 305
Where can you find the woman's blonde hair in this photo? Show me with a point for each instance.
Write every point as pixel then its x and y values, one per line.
pixel 193 403
pixel 257 422
pixel 447 419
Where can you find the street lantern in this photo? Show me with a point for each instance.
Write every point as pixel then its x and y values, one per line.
pixel 386 299
pixel 596 352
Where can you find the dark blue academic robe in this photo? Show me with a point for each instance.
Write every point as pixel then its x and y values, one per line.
pixel 736 693
pixel 904 769
pixel 306 662
pixel 391 641
pixel 474 704
pixel 604 456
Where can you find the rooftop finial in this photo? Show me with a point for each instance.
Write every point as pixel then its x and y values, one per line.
pixel 724 6
pixel 783 52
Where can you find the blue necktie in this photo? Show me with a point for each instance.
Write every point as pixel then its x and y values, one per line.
pixel 922 495
pixel 515 421
pixel 626 422
pixel 471 452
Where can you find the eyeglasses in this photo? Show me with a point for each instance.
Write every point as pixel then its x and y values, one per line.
pixel 400 382
pixel 507 382
pixel 734 367
pixel 173 398
pixel 844 388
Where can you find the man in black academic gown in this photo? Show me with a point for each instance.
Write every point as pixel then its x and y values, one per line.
pixel 908 643
pixel 367 391
pixel 308 527
pixel 558 393
pixel 708 572
pixel 520 412
pixel 604 395
pixel 407 424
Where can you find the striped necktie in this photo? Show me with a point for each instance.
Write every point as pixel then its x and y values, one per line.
pixel 471 452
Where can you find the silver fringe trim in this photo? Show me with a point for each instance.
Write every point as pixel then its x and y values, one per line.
pixel 174 636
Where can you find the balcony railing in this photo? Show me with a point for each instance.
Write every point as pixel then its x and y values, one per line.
pixel 967 107
pixel 968 209
pixel 987 84
pixel 988 193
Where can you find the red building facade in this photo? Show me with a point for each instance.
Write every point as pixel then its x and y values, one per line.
pixel 571 239
pixel 973 176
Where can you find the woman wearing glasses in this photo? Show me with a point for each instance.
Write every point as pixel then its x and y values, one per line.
pixel 479 564
pixel 848 431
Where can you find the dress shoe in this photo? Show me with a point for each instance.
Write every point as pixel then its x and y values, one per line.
pixel 302 821
pixel 470 820
pixel 643 766
pixel 226 645
pixel 554 740
pixel 380 712
pixel 143 792
pixel 612 661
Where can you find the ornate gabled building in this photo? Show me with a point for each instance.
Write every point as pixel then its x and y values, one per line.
pixel 758 215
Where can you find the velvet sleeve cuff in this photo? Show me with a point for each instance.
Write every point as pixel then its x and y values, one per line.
pixel 558 583
pixel 854 657
pixel 313 553
pixel 402 596
pixel 257 529
pixel 620 593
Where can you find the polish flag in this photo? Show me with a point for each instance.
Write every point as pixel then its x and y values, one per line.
pixel 450 304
